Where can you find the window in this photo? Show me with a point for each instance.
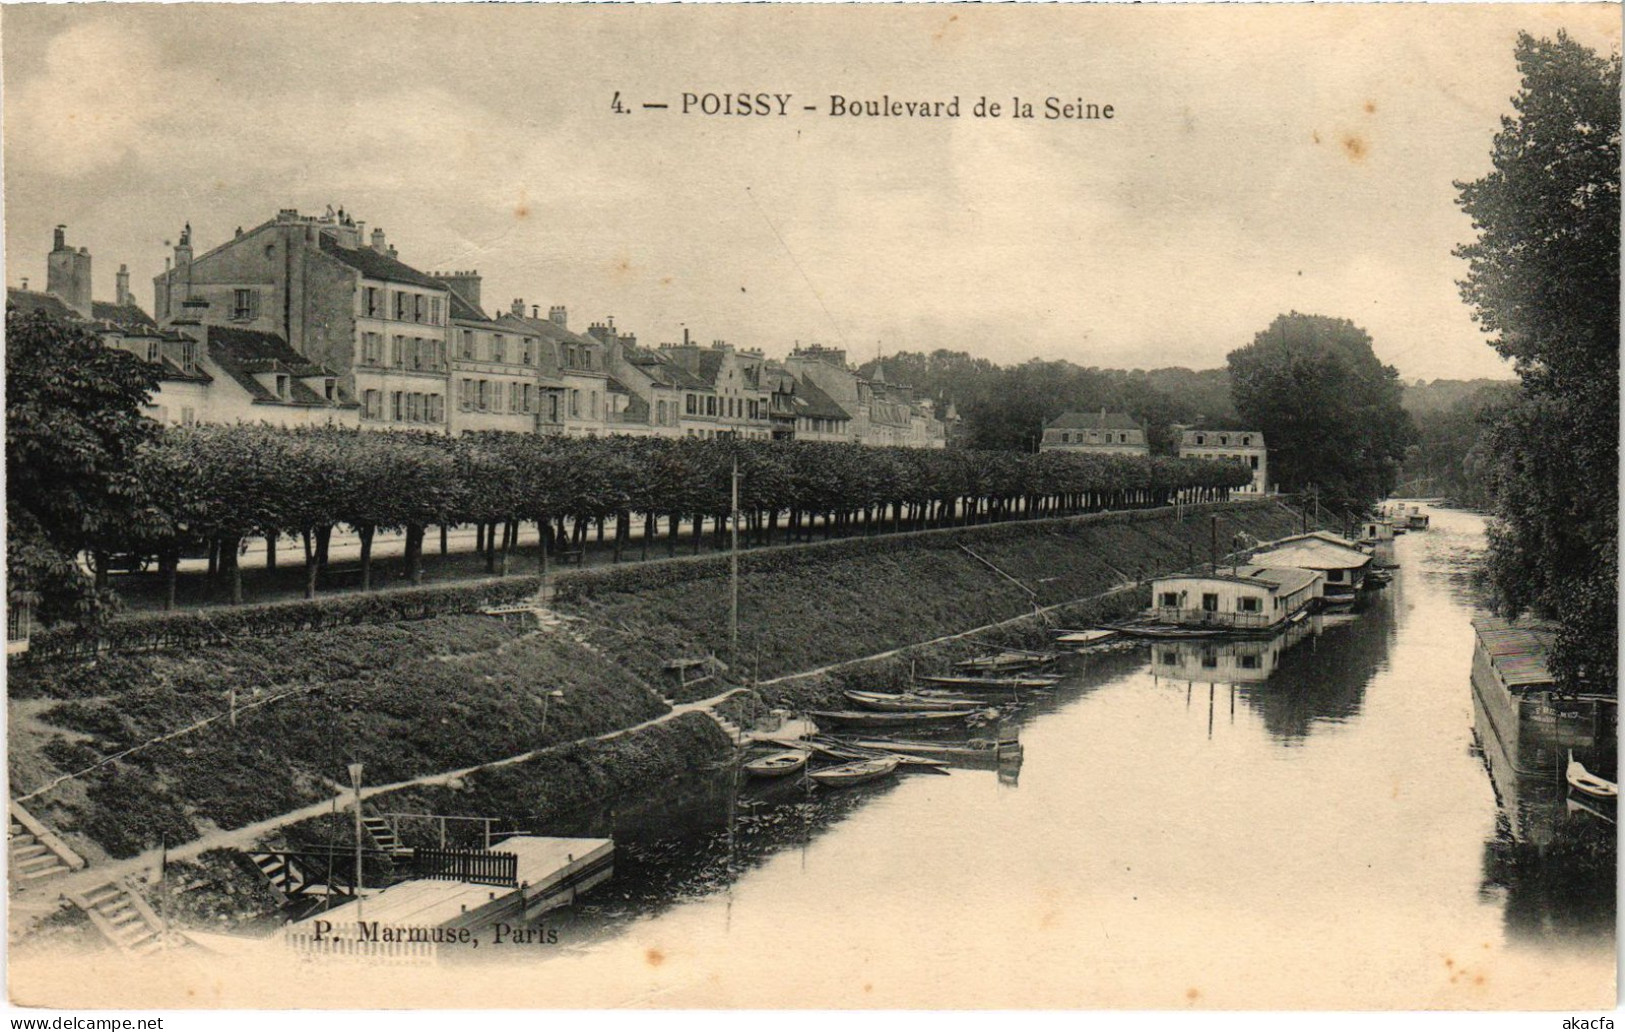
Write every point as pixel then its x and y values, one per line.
pixel 527 351
pixel 245 304
pixel 593 405
pixel 1249 662
pixel 1334 575
pixel 1248 604
pixel 437 409
pixel 371 346
pixel 1122 438
pixel 397 354
pixel 1200 439
pixel 281 381
pixel 1247 441
pixel 189 356
pixel 465 390
pixel 529 398
pixel 434 310
pixel 575 403
pixel 482 396
pixel 553 407
pixel 711 405
pixel 1210 660
pixel 373 302
pixel 330 387
pixel 1210 603
pixel 396 409
pixel 496 396
pixel 513 397
pixel 414 407
pixel 188 416
pixel 1170 659
pixel 401 305
pixel 1224 439
pixel 660 412
pixel 691 404
pixel 1066 438
pixel 372 405
pixel 1254 459
pixel 1170 599
pixel 153 352
pixel 420 308
pixel 499 348
pixel 570 357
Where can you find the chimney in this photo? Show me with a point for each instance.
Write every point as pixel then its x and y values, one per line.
pixel 465 283
pixel 392 252
pixel 378 242
pixel 67 274
pixel 517 309
pixel 559 316
pixel 535 311
pixel 123 289
pixel 193 320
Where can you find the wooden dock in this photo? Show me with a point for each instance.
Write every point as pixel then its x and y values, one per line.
pixel 411 921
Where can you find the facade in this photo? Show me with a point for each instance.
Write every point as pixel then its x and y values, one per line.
pixel 344 305
pixel 497 369
pixel 1105 433
pixel 1340 561
pixel 736 397
pixel 574 370
pixel 1244 446
pixel 879 412
pixel 1248 598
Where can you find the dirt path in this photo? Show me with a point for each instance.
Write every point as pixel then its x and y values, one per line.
pixel 246 836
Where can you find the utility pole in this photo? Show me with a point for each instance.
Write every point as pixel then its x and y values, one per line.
pixel 733 572
pixel 355 780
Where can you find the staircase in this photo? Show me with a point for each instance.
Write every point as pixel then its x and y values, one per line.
pixel 285 877
pixel 735 734
pixel 383 833
pixel 123 918
pixel 30 859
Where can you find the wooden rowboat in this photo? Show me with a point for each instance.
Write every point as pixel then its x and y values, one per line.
pixel 777 765
pixel 855 773
pixel 1589 784
pixel 1005 662
pixel 972 683
pixel 861 718
pixel 908 703
pixel 1092 637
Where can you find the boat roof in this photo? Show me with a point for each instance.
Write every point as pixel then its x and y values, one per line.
pixel 1285 580
pixel 1517 650
pixel 1313 552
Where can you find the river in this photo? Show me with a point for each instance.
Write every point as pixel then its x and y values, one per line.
pixel 1315 826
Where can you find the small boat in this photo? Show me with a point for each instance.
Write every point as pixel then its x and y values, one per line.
pixel 883 702
pixel 855 773
pixel 1091 637
pixel 777 765
pixel 971 683
pixel 1008 661
pixel 978 752
pixel 1589 784
pixel 1173 632
pixel 862 718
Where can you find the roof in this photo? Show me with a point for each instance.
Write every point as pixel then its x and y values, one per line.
pixel 660 368
pixel 1517 651
pixel 1283 580
pixel 242 353
pixel 377 266
pixel 1093 421
pixel 30 301
pixel 810 400
pixel 1312 553
pixel 123 316
pixel 1188 437
pixel 464 310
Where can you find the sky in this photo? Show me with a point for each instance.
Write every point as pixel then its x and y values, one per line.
pixel 1259 160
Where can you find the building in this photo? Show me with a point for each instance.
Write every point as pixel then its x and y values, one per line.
pixel 344 305
pixel 1248 598
pixel 879 413
pixel 207 374
pixel 664 388
pixel 1243 446
pixel 501 379
pixel 1105 433
pixel 574 370
pixel 736 397
pixel 1339 560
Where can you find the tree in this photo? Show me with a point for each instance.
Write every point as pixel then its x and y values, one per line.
pixel 1329 410
pixel 1543 278
pixel 73 428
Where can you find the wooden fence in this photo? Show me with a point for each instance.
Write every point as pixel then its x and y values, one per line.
pixel 468 865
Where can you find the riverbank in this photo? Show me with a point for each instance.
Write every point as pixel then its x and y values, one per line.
pixel 412 699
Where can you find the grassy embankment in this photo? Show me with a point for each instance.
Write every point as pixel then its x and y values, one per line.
pixel 433 695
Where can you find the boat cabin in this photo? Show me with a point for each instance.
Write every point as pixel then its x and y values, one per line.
pixel 1340 561
pixel 1242 597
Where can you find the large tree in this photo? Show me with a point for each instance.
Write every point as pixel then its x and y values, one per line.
pixel 1329 409
pixel 73 426
pixel 1543 278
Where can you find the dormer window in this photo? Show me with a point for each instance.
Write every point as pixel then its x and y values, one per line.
pixel 1247 442
pixel 189 356
pixel 330 388
pixel 282 386
pixel 153 354
pixel 1200 439
pixel 1225 439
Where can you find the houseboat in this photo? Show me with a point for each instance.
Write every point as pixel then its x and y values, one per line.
pixel 1341 562
pixel 1377 537
pixel 1251 600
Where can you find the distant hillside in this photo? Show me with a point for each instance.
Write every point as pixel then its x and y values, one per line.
pixel 1422 397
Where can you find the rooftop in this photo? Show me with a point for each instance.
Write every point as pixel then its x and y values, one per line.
pixel 1313 553
pixel 241 353
pixel 377 266
pixel 1093 421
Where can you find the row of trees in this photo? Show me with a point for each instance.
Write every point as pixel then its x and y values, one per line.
pixel 1544 279
pixel 221 484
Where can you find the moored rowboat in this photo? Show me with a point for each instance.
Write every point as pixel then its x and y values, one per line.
pixel 777 765
pixel 1589 784
pixel 1005 662
pixel 860 718
pixel 910 703
pixel 970 683
pixel 855 773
